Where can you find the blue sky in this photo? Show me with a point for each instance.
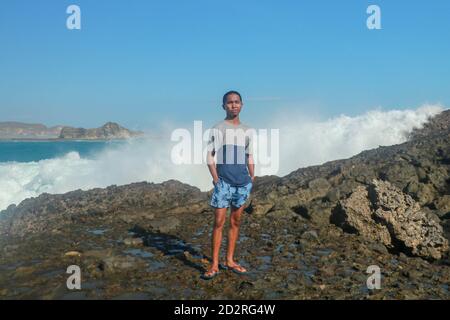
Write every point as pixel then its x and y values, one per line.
pixel 141 62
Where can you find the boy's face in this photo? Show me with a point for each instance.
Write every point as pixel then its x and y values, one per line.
pixel 233 104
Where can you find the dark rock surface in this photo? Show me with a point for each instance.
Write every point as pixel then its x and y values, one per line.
pixel 288 239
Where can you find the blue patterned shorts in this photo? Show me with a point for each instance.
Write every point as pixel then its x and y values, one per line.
pixel 224 194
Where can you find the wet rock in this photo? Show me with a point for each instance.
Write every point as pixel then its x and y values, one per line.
pixel 133 241
pixel 165 225
pixel 119 263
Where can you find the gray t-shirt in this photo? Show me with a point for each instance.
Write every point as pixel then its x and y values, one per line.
pixel 233 144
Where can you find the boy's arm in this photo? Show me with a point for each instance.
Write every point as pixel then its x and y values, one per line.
pixel 249 153
pixel 211 151
pixel 251 166
pixel 212 167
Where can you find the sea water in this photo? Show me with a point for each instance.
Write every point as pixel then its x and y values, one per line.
pixel 29 168
pixel 27 151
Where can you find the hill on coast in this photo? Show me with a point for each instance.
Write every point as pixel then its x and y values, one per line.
pixel 25 131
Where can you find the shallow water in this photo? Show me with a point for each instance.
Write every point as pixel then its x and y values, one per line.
pixel 170 245
pixel 266 263
pixel 139 253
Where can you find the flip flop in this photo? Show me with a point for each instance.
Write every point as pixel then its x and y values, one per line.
pixel 235 270
pixel 222 266
pixel 211 276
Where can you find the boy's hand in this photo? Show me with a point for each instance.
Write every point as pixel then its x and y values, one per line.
pixel 253 179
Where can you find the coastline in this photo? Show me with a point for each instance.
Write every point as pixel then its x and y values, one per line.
pixel 61 140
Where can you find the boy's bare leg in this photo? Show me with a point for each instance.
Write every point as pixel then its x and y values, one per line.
pixel 219 221
pixel 233 235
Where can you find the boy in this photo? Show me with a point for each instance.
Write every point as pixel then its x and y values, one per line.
pixel 232 178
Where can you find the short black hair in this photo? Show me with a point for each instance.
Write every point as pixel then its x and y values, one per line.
pixel 224 99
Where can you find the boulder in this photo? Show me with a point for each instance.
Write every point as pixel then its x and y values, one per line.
pixel 383 213
pixel 354 215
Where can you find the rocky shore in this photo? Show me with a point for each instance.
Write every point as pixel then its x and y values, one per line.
pixel 311 234
pixel 109 130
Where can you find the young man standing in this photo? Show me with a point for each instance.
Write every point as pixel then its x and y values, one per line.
pixel 232 178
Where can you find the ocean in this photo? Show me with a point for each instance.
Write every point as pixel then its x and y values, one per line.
pixel 29 168
pixel 27 151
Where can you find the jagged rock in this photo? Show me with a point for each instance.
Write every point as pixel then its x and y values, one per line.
pixel 417 232
pixel 129 203
pixel 354 215
pixel 425 194
pixel 383 213
pixel 443 206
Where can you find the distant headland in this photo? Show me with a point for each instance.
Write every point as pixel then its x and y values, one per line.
pixel 38 132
